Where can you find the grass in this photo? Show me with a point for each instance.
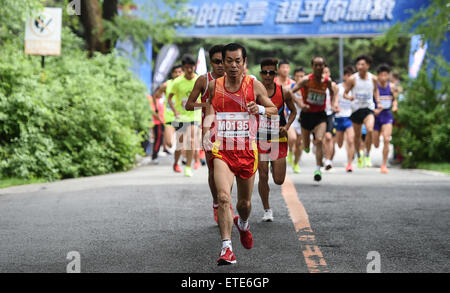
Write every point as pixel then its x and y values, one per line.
pixel 7 182
pixel 440 167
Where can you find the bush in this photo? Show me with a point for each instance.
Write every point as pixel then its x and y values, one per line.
pixel 77 117
pixel 423 116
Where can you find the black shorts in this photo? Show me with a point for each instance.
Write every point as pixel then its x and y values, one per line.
pixel 330 125
pixel 183 125
pixel 359 116
pixel 309 120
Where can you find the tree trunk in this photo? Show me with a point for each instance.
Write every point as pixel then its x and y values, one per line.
pixel 109 12
pixel 91 17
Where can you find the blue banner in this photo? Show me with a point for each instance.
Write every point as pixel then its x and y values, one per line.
pixel 289 19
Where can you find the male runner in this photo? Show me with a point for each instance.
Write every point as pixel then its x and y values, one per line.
pixel 201 87
pixel 234 102
pixel 284 69
pixel 328 143
pixel 283 79
pixel 342 121
pixel 363 84
pixel 295 137
pixel 313 116
pixel 384 118
pixel 272 135
pixel 186 120
pixel 169 116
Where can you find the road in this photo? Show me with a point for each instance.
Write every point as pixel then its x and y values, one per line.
pixel 152 220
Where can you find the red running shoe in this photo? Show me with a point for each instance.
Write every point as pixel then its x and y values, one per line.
pixel 245 236
pixel 197 165
pixel 226 257
pixel 177 168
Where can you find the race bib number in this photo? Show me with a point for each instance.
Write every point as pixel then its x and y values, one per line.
pixel 233 124
pixel 316 98
pixel 386 102
pixel 363 96
pixel 269 124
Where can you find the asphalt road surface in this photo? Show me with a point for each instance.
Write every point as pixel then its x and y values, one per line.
pixel 153 220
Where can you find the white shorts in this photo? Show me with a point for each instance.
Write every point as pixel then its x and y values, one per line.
pixel 297 127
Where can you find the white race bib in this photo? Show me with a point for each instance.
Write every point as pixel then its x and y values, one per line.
pixel 316 98
pixel 233 124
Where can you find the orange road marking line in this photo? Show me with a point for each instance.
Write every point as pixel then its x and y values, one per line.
pixel 311 252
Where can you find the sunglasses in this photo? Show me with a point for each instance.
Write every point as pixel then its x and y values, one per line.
pixel 216 61
pixel 270 72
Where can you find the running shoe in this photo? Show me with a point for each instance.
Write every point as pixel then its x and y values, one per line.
pixel 384 169
pixel 197 165
pixel 328 165
pixel 360 162
pixel 187 172
pixel 177 168
pixel 349 168
pixel 268 216
pixel 226 257
pixel 296 169
pixel 203 161
pixel 306 150
pixel 290 159
pixel 367 162
pixel 245 236
pixel 317 175
pixel 155 162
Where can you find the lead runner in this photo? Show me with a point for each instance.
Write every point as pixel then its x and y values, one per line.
pixel 235 100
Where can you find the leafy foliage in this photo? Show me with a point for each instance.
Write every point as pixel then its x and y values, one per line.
pixel 423 116
pixel 77 117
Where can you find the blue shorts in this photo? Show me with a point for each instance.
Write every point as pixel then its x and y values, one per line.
pixel 342 123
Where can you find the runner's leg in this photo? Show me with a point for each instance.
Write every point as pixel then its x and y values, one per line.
pixel 263 183
pixel 350 136
pixel 223 178
pixel 319 132
pixel 386 132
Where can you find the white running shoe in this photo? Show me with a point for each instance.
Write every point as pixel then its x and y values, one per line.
pixel 268 216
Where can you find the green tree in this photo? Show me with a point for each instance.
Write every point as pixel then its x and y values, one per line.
pixel 423 134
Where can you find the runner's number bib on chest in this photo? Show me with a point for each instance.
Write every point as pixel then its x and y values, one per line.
pixel 269 124
pixel 233 124
pixel 316 97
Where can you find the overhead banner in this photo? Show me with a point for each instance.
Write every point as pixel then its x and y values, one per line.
pixel 301 18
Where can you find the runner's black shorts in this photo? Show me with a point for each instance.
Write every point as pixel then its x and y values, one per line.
pixel 309 120
pixel 359 116
pixel 330 125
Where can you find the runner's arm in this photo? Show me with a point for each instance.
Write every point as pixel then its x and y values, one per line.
pixel 289 99
pixel 394 90
pixel 300 101
pixel 199 88
pixel 262 99
pixel 333 95
pixel 376 93
pixel 348 88
pixel 170 102
pixel 209 111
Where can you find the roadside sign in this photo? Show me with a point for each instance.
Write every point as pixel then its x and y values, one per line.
pixel 43 33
